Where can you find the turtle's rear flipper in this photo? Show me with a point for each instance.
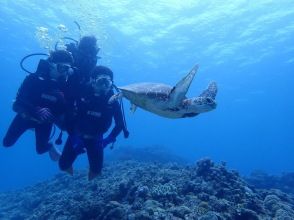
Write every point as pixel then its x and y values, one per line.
pixel 133 108
pixel 211 91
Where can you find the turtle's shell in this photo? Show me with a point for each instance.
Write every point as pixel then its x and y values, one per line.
pixel 154 91
pixel 153 97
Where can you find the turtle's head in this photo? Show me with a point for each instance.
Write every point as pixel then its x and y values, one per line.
pixel 205 102
pixel 199 104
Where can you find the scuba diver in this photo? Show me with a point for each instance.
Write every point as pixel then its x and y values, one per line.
pixel 85 55
pixel 85 58
pixel 93 119
pixel 40 102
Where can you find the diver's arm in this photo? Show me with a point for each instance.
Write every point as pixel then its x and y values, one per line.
pixel 68 120
pixel 23 103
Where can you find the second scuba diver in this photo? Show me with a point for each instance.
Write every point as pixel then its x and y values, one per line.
pixel 40 102
pixel 93 119
pixel 85 58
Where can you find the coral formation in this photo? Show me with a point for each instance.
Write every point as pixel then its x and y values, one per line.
pixel 133 190
pixel 262 180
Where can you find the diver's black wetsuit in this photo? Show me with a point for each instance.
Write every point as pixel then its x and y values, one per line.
pixel 74 85
pixel 35 92
pixel 93 119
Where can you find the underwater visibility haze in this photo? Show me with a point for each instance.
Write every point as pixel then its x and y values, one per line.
pixel 246 47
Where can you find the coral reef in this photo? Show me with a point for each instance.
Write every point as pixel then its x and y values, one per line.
pixel 132 190
pixel 156 153
pixel 262 180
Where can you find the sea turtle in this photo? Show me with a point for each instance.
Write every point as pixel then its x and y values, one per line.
pixel 167 101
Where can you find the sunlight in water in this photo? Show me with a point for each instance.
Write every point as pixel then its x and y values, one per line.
pixel 212 30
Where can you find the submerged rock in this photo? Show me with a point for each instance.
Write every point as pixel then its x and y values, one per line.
pixel 136 190
pixel 262 180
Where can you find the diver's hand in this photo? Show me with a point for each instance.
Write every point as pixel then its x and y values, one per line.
pixel 43 115
pixel 110 139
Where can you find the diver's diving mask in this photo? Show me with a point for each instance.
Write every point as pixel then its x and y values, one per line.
pixel 61 70
pixel 64 68
pixel 101 84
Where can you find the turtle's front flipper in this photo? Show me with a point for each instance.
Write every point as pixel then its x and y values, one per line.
pixel 179 91
pixel 115 97
pixel 210 92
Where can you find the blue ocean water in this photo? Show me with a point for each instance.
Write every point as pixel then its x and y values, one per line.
pixel 245 46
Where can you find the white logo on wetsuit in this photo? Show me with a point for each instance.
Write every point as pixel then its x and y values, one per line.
pixel 95 114
pixel 49 97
